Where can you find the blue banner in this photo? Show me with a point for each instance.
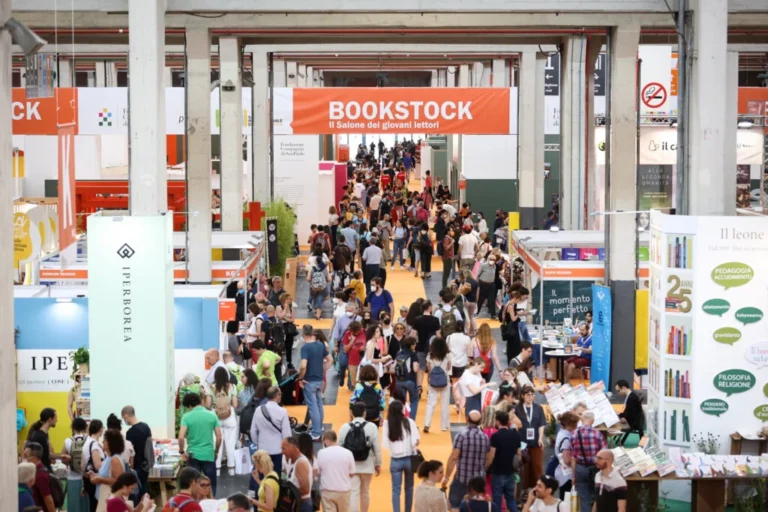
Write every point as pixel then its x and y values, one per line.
pixel 601 334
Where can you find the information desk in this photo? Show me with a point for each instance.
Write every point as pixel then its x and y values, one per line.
pixel 707 494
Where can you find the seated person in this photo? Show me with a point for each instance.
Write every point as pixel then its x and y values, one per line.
pixel 632 415
pixel 584 343
pixel 523 362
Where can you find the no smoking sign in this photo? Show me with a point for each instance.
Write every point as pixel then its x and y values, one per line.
pixel 654 95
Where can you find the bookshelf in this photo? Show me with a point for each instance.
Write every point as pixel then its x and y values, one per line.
pixel 671 331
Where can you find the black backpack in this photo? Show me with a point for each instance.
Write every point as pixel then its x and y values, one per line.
pixel 357 442
pixel 370 398
pixel 289 498
pixel 57 491
pixel 276 337
pixel 246 415
pixel 402 367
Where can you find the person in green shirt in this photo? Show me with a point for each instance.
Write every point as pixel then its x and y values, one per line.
pixel 266 361
pixel 198 427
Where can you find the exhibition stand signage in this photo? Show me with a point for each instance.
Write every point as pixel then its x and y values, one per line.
pixel 601 333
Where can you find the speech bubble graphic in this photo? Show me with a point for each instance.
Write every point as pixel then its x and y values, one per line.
pixel 765 390
pixel 734 381
pixel 749 315
pixel 757 353
pixel 727 335
pixel 717 307
pixel 714 406
pixel 761 412
pixel 733 274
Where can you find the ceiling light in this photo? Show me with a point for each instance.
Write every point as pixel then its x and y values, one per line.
pixel 63 300
pixel 746 124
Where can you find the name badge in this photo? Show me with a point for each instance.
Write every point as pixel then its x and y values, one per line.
pixel 529 434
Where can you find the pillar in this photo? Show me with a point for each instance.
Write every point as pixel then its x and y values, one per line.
pixel 538 134
pixel 279 77
pixel 477 74
pixel 731 113
pixel 65 77
pixel 231 107
pixel 592 193
pixel 499 77
pixel 708 123
pixel 167 77
pixel 292 74
pixel 573 123
pixel 441 77
pixel 261 124
pixel 621 196
pixel 308 82
pixel 100 72
pixel 315 78
pixel 450 76
pixel 433 78
pixel 527 138
pixel 8 436
pixel 110 68
pixel 464 78
pixel 146 99
pixel 485 77
pixel 198 114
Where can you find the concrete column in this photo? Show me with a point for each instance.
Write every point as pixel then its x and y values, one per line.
pixel 167 77
pixel 573 123
pixel 441 77
pixel 146 99
pixel 23 77
pixel 538 134
pixel 464 78
pixel 450 76
pixel 101 74
pixel 261 126
pixel 66 77
pixel 231 107
pixel 91 79
pixel 110 68
pixel 485 78
pixel 477 74
pixel 622 190
pixel 198 84
pixel 527 139
pixel 708 122
pixel 730 127
pixel 316 78
pixel 499 77
pixel 279 77
pixel 301 75
pixel 433 78
pixel 8 436
pixel 594 46
pixel 308 82
pixel 292 74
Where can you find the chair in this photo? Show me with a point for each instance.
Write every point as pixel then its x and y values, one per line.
pixel 586 373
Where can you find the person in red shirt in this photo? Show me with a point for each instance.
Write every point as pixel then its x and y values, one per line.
pixel 428 180
pixel 41 491
pixel 189 492
pixel 353 343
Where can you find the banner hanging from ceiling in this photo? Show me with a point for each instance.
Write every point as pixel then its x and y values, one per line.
pixel 476 111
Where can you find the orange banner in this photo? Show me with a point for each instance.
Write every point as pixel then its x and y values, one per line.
pixel 66 208
pixel 41 116
pixel 396 110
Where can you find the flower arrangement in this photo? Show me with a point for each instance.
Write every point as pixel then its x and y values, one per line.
pixel 709 443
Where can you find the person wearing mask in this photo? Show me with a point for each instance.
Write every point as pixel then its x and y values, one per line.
pixel 569 421
pixel 122 488
pixel 286 316
pixel 406 368
pixel 438 371
pixel 468 458
pixel 477 500
pixel 505 446
pixel 448 254
pixel 38 433
pixel 610 487
pixel 401 438
pixel 315 360
pixel 76 500
pixel 534 420
pixel 370 465
pixel 586 442
pixel 41 488
pixel 584 344
pixel 269 484
pixel 632 415
pixel 112 467
pixel 270 425
pixel 426 326
pixel 357 285
pixel 482 225
pixel 198 429
pixel 428 496
pixel 472 384
pixel 300 473
pixel 542 498
pixel 186 499
pixel 486 277
pixel 26 473
pixel 467 248
pixel 372 256
pixel 336 468
pixel 379 299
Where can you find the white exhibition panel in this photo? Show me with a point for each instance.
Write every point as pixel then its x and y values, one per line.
pixel 489 157
pixel 297 178
pixel 326 190
pixel 222 239
pixel 426 160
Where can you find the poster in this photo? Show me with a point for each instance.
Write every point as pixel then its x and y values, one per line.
pixel 743 188
pixel 562 299
pixel 601 334
pixel 655 190
pixel 296 177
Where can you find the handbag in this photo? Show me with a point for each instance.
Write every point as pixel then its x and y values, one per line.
pixel 243 464
pixel 291 329
pixel 416 459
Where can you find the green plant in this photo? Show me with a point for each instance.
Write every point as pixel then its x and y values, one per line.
pixel 709 444
pixel 79 357
pixel 750 496
pixel 551 429
pixel 286 225
pixel 646 503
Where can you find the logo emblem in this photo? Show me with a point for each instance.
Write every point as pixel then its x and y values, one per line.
pixel 653 146
pixel 105 117
pixel 125 251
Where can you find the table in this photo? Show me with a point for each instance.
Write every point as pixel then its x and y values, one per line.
pixel 162 481
pixel 561 357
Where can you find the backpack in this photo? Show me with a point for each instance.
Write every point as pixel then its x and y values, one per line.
pixel 357 442
pixel 246 415
pixel 175 503
pixel 425 244
pixel 370 398
pixel 402 367
pixel 288 499
pixel 438 379
pixel 57 491
pixel 318 280
pixel 553 462
pixel 339 281
pixel 76 454
pixel 149 455
pixel 223 405
pixel 448 322
pixel 276 337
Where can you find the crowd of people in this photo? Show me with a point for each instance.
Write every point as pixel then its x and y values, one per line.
pixel 389 359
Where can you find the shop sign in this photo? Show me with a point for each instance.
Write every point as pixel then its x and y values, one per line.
pixel 44 370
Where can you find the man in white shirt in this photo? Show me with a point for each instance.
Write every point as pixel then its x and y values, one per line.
pixel 447 298
pixel 213 359
pixel 336 467
pixel 364 469
pixel 458 344
pixel 610 487
pixel 270 425
pixel 372 263
pixel 374 207
pixel 467 247
pixel 541 499
pixel 359 188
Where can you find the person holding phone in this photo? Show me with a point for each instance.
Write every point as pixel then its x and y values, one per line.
pixel 541 499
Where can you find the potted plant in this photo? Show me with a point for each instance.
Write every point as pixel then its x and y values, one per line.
pixel 550 431
pixel 81 359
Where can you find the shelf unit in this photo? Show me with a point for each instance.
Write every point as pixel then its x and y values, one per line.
pixel 671 342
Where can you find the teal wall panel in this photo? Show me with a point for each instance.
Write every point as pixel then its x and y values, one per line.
pixel 487 196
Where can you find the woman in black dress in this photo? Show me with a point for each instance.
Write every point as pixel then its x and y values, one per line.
pixel 510 330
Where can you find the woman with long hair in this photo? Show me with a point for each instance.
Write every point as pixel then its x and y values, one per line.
pixel 286 316
pixel 352 343
pixel 510 326
pixel 414 311
pixel 114 423
pixel 401 438
pixel 333 222
pixel 428 496
pixel 250 382
pixel 260 393
pixel 569 421
pixel 472 385
pixel 485 348
pixel 401 236
pixel 269 483
pixel 223 400
pixel 368 391
pixel 111 468
pixel 439 364
pixel 376 349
